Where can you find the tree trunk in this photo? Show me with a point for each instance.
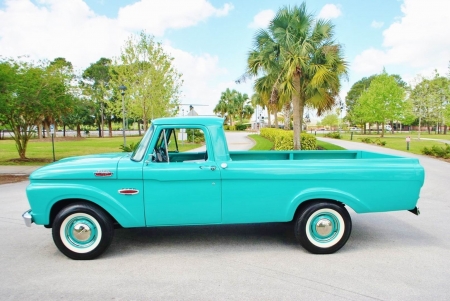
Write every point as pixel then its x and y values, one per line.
pixel 269 118
pixel 78 131
pixel 110 128
pixel 39 129
pixel 139 127
pixel 287 115
pixel 275 117
pixel 382 129
pixel 298 111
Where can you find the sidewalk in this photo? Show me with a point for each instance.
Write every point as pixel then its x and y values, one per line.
pixel 17 170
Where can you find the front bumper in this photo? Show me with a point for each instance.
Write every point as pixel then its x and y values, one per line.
pixel 28 219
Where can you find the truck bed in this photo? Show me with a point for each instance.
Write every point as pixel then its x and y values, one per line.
pixel 306 155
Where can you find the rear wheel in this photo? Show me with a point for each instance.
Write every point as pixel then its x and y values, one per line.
pixel 82 231
pixel 323 227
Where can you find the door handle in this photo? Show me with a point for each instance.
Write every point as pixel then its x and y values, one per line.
pixel 208 167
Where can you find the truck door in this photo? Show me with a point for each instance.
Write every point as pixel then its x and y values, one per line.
pixel 182 187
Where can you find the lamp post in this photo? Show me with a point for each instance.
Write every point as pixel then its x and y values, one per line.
pixel 122 89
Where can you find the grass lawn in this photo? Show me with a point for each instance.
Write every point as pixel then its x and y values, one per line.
pixel 42 150
pixel 328 146
pixel 398 140
pixel 261 143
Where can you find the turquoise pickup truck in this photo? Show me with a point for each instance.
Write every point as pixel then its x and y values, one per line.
pixel 83 199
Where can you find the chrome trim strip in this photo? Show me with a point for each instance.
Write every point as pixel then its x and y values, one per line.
pixel 28 219
pixel 128 191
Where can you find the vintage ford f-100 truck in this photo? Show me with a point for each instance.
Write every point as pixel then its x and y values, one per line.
pixel 84 198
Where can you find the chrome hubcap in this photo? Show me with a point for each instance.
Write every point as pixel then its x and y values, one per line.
pixel 81 232
pixel 324 227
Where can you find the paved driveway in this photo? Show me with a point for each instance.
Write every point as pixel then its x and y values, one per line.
pixel 389 256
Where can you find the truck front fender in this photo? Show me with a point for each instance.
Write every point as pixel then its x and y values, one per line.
pixel 325 193
pixel 131 215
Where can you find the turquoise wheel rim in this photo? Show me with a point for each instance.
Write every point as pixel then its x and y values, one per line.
pixel 80 233
pixel 325 228
pixel 81 238
pixel 332 224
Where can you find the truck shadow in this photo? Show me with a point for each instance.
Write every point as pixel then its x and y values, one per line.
pixel 222 238
pixel 370 231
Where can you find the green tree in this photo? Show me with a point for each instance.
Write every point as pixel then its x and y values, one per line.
pixel 83 110
pixel 242 105
pixel 352 98
pixel 330 120
pixel 226 106
pixel 383 101
pixel 430 100
pixel 60 102
pixel 311 63
pixel 96 80
pixel 153 84
pixel 27 93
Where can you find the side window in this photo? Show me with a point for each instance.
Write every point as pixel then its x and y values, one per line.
pixel 180 145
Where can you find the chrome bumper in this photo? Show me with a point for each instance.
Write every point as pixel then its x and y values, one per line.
pixel 28 219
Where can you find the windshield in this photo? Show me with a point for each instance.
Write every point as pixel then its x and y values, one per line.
pixel 139 153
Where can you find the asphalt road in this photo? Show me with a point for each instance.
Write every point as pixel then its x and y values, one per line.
pixel 389 256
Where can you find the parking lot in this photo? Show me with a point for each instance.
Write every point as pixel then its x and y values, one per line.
pixel 389 256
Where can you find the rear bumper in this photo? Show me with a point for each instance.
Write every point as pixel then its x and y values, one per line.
pixel 28 219
pixel 416 211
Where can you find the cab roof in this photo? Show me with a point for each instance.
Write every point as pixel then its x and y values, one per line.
pixel 189 120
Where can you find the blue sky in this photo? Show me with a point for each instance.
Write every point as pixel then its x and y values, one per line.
pixel 210 39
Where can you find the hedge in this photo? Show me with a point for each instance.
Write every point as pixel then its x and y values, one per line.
pixel 237 127
pixel 284 140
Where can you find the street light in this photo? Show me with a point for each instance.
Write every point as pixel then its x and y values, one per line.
pixel 122 89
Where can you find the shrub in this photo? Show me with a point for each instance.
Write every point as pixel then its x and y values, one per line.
pixel 284 140
pixel 379 142
pixel 129 148
pixel 437 151
pixel 195 135
pixel 335 135
pixel 370 141
pixel 427 151
pixel 241 127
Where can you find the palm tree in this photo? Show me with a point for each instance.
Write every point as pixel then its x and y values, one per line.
pixel 240 104
pixel 226 106
pixel 307 62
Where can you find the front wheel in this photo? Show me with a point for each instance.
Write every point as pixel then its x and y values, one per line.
pixel 323 227
pixel 82 231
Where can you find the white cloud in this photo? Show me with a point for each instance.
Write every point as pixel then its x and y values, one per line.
pixel 329 11
pixel 46 29
pixel 162 15
pixel 200 75
pixel 376 24
pixel 54 28
pixel 262 19
pixel 417 41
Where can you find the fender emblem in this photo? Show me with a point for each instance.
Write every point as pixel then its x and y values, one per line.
pixel 103 173
pixel 128 191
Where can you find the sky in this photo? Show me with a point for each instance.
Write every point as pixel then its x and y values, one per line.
pixel 210 40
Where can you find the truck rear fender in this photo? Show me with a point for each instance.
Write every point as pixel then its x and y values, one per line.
pixel 325 194
pixel 80 193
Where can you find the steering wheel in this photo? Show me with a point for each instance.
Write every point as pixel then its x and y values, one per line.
pixel 161 155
